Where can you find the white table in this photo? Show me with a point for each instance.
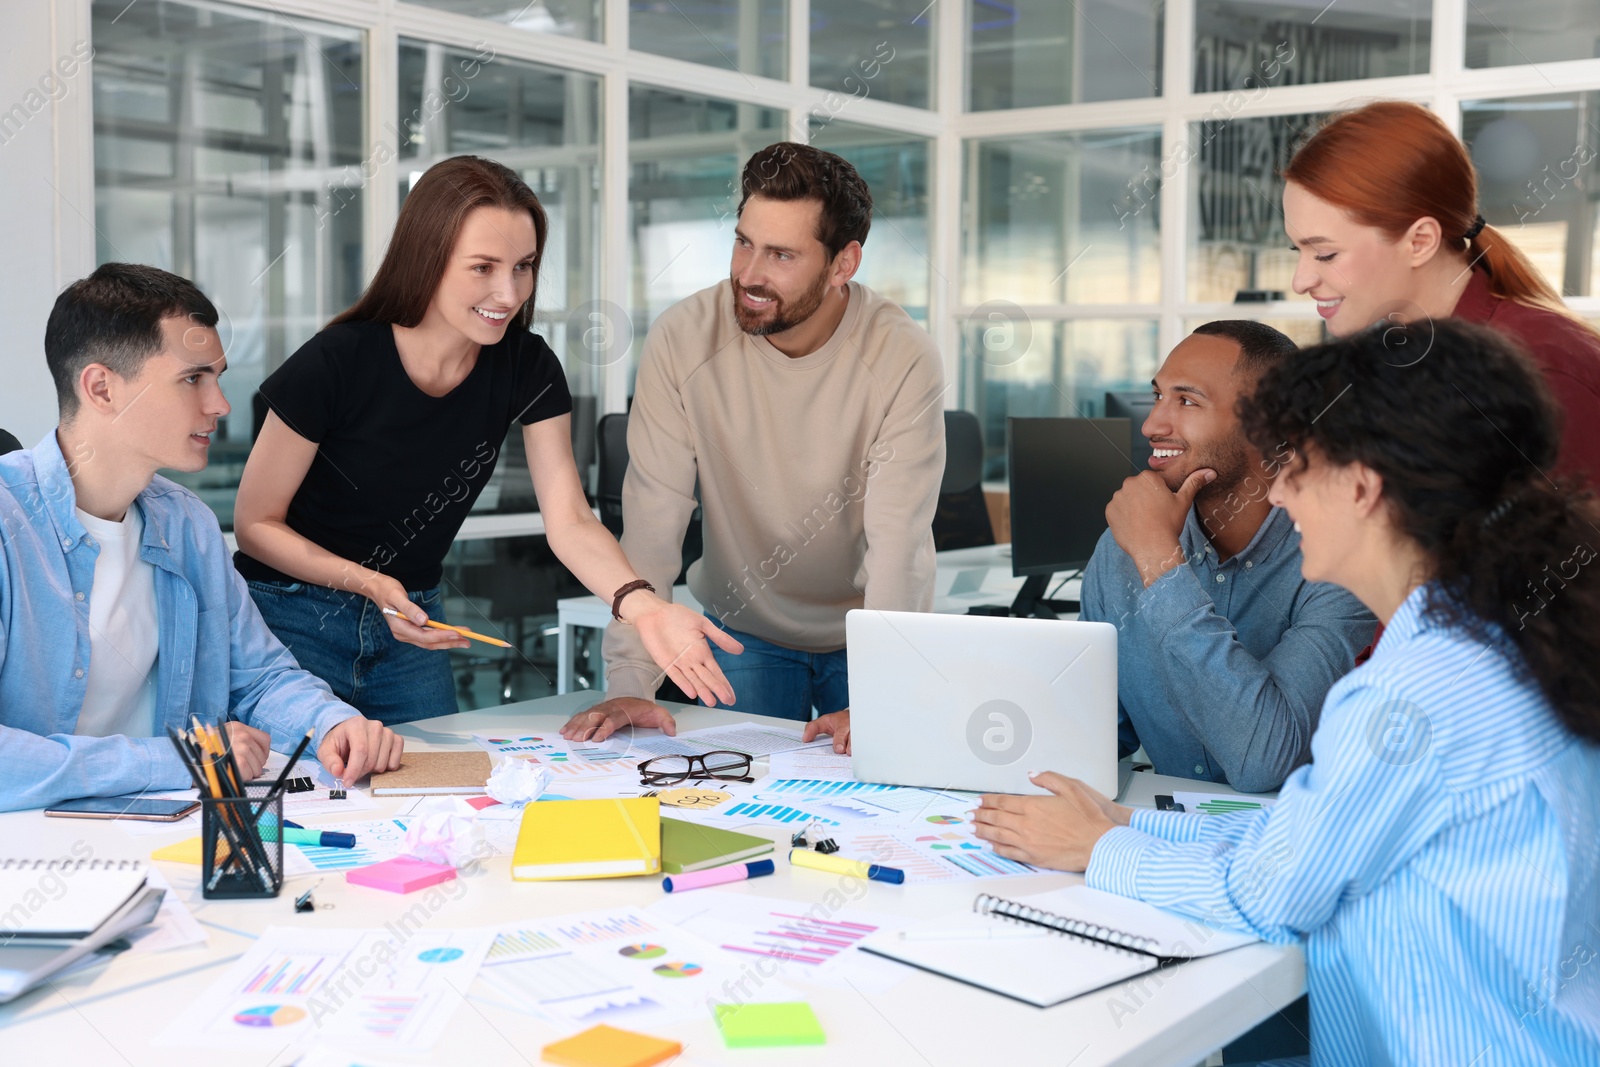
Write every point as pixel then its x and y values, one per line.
pixel 966 578
pixel 110 1015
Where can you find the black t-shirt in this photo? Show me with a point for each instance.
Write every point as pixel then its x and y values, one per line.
pixel 397 470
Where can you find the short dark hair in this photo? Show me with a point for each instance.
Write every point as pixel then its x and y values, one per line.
pixel 791 171
pixel 114 317
pixel 1260 346
pixel 1463 478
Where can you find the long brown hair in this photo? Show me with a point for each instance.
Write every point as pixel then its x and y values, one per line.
pixel 1393 162
pixel 425 234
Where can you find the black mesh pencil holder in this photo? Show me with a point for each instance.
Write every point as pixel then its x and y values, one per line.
pixel 237 859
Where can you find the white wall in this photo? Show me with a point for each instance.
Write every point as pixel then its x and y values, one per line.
pixel 46 193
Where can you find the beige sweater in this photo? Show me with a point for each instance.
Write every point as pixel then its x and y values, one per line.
pixel 818 476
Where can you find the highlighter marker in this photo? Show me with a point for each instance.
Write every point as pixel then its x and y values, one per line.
pixel 295 834
pixel 733 872
pixel 801 857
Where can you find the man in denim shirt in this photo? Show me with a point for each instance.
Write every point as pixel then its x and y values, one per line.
pixel 1224 653
pixel 120 611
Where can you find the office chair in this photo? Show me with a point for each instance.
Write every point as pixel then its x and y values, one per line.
pixel 514 582
pixel 962 518
pixel 9 443
pixel 611 466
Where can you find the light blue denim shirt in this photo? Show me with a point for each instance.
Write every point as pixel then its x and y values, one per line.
pixel 216 657
pixel 1222 667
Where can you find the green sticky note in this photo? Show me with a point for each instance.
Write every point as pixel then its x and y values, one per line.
pixel 769 1025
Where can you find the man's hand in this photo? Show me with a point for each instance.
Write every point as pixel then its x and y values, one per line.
pixel 250 748
pixel 605 719
pixel 359 746
pixel 1146 519
pixel 836 724
pixel 675 636
pixel 1057 831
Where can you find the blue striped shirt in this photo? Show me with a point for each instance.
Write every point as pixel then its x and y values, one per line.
pixel 1439 859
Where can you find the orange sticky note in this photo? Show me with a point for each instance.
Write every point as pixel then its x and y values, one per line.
pixel 606 1046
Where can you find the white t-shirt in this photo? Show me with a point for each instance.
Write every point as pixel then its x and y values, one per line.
pixel 123 634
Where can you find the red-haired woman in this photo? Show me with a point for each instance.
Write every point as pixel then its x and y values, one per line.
pixel 1382 203
pixel 386 426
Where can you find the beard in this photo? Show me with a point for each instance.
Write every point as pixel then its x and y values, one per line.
pixel 784 316
pixel 1231 461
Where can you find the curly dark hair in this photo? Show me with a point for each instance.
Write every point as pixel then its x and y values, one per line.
pixel 1459 424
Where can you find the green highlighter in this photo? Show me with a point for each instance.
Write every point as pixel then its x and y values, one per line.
pixel 769 1025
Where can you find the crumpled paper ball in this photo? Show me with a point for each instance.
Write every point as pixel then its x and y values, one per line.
pixel 445 832
pixel 517 781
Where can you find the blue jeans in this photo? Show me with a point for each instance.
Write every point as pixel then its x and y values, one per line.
pixel 769 679
pixel 343 639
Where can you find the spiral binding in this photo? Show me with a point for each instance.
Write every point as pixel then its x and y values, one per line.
pixel 994 906
pixel 70 865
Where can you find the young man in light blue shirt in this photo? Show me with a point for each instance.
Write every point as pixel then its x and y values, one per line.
pixel 1224 652
pixel 121 613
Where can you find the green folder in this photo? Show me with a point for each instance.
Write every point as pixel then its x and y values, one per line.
pixel 769 1025
pixel 688 846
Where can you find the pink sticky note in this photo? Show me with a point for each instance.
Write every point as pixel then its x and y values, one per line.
pixel 400 875
pixel 482 802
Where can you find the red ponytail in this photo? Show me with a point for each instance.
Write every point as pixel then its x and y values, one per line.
pixel 1425 172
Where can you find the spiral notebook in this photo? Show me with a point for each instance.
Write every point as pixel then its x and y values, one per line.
pixel 63 898
pixel 57 915
pixel 1092 939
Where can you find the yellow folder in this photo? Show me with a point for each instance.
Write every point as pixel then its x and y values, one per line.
pixel 611 838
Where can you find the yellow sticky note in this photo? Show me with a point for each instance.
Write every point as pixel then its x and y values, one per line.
pixel 185 852
pixel 606 1046
pixel 693 798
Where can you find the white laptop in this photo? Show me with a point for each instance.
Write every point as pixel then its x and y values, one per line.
pixel 975 702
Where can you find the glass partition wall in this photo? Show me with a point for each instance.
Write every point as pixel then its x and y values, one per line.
pixel 1061 190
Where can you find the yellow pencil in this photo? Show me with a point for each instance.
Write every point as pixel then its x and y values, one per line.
pixel 462 630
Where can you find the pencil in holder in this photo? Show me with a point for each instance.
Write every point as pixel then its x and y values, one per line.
pixel 237 861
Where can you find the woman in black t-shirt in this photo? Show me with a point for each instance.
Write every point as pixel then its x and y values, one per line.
pixel 385 427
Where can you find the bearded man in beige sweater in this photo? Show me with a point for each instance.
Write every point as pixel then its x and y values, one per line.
pixel 809 410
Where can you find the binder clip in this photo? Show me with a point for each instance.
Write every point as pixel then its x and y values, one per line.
pixel 337 792
pixel 827 846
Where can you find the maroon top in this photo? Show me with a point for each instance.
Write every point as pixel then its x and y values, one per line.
pixel 1569 356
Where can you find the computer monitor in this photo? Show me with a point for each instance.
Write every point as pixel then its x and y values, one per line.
pixel 1135 407
pixel 1063 474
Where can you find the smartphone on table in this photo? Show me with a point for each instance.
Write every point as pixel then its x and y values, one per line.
pixel 149 809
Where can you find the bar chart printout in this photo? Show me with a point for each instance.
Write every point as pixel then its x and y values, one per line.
pixel 805 939
pixel 1221 803
pixel 603 928
pixel 521 944
pixel 780 813
pixel 293 973
pixel 619 966
pixel 292 982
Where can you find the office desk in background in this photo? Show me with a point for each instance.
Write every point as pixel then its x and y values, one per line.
pixel 966 578
pixel 113 1013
